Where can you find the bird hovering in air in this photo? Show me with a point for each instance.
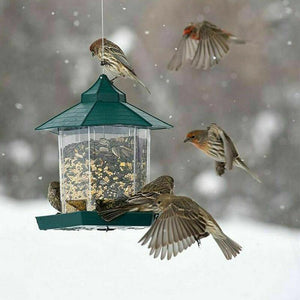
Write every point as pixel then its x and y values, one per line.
pixel 215 143
pixel 114 60
pixel 202 45
pixel 180 222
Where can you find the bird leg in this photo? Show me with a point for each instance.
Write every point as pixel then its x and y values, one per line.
pixel 112 80
pixel 220 168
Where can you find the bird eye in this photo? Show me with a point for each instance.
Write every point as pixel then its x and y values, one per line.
pixel 158 202
pixel 192 136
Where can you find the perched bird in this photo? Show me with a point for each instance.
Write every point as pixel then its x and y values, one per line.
pixel 54 195
pixel 181 223
pixel 114 60
pixel 144 200
pixel 55 200
pixel 202 45
pixel 215 143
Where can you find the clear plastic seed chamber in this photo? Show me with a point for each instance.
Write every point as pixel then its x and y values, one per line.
pixel 101 162
pixel 104 154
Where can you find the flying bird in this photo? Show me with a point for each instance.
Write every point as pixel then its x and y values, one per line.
pixel 144 200
pixel 181 223
pixel 215 143
pixel 202 45
pixel 114 60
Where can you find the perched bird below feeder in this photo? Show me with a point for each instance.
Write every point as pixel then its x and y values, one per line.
pixel 144 200
pixel 54 195
pixel 181 223
pixel 215 143
pixel 55 200
pixel 114 60
pixel 202 45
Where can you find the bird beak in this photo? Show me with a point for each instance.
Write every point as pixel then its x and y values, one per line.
pixel 186 140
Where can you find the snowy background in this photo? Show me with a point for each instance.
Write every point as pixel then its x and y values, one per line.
pixel 253 94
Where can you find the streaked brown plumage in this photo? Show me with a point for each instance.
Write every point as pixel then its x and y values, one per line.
pixel 144 200
pixel 54 195
pixel 181 223
pixel 114 60
pixel 215 143
pixel 203 45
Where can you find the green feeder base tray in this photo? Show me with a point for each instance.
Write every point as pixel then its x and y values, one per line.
pixel 91 220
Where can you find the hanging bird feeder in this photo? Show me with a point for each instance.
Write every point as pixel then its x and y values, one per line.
pixel 104 153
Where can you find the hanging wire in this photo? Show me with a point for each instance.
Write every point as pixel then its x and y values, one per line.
pixel 102 35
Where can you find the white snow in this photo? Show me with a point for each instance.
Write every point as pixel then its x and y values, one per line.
pixel 268 126
pixel 207 183
pixel 74 265
pixel 124 37
pixel 20 152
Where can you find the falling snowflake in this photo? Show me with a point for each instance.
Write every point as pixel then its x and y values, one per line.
pixel 40 178
pixel 76 23
pixel 19 106
pixel 75 13
pixel 147 32
pixel 66 61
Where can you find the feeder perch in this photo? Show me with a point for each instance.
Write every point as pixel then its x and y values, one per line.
pixel 104 153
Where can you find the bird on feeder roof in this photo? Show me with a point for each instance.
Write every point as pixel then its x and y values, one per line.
pixel 114 60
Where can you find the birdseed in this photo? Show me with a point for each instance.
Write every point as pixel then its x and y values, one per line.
pixel 107 171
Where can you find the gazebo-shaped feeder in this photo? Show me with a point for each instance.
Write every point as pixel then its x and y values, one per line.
pixel 104 153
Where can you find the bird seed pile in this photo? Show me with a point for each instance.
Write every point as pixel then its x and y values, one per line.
pixel 111 168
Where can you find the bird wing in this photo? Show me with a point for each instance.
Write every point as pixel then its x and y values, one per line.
pixel 176 229
pixel 134 203
pixel 117 53
pixel 162 185
pixel 230 152
pixel 179 56
pixel 211 48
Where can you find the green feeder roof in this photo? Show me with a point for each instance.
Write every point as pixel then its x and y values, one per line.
pixel 103 104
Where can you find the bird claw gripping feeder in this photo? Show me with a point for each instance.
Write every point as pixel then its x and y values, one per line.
pixel 104 153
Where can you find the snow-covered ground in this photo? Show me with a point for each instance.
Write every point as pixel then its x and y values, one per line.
pixel 111 265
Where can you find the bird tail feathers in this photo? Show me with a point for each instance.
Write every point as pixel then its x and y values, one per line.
pixel 142 84
pixel 236 40
pixel 229 247
pixel 239 163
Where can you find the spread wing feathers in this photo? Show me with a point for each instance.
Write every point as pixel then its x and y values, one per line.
pixel 173 231
pixel 110 214
pixel 140 201
pixel 178 58
pixel 211 48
